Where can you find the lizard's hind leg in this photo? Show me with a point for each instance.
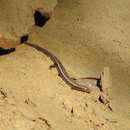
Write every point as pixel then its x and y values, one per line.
pixel 52 66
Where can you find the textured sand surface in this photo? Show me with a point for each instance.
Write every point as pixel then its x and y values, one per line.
pixel 17 18
pixel 86 36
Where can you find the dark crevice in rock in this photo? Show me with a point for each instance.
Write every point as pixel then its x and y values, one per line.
pixel 24 39
pixel 6 51
pixel 101 99
pixel 40 18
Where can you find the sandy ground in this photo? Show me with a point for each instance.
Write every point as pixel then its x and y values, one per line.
pixel 86 36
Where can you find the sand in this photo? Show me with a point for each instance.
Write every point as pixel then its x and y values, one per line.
pixel 89 37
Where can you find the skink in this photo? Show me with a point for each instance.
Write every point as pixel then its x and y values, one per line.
pixel 61 70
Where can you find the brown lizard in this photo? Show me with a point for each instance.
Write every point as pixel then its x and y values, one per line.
pixel 83 84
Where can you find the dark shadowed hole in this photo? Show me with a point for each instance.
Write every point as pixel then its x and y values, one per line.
pixel 40 19
pixel 6 51
pixel 101 100
pixel 99 84
pixel 24 39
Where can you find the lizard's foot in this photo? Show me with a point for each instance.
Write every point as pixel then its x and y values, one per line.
pixel 52 66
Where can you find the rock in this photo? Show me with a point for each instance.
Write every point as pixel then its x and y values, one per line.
pixel 17 19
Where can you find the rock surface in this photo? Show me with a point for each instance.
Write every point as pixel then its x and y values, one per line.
pixel 17 19
pixel 86 36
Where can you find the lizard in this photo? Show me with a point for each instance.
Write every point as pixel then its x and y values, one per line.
pixel 83 84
